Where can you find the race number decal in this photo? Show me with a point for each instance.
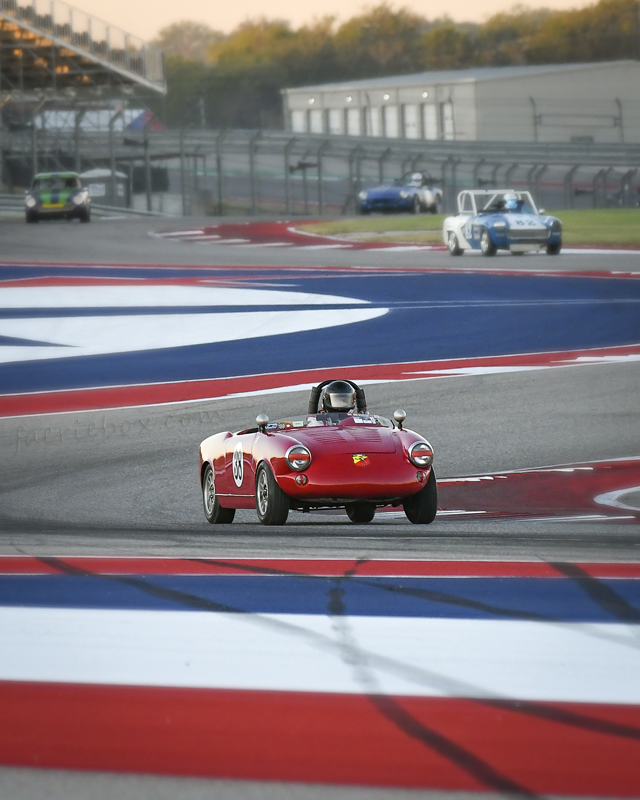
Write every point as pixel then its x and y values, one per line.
pixel 238 465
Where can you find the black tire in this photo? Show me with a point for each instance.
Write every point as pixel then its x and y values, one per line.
pixel 421 508
pixel 364 211
pixel 272 504
pixel 554 249
pixel 213 511
pixel 31 217
pixel 85 216
pixel 487 247
pixel 361 512
pixel 416 207
pixel 454 245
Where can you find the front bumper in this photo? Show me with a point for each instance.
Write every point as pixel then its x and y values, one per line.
pixel 386 204
pixel 334 482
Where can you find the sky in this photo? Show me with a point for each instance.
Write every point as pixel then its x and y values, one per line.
pixel 145 18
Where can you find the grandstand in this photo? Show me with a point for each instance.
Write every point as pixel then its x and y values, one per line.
pixel 57 58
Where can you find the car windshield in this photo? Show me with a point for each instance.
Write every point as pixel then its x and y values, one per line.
pixel 498 201
pixel 55 184
pixel 329 419
pixel 325 420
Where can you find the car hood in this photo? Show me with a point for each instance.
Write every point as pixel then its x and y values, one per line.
pixel 351 439
pixel 522 221
pixel 386 192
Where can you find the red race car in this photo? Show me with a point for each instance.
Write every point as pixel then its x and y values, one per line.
pixel 338 456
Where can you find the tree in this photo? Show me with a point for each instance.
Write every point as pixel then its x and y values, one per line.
pixel 380 42
pixel 605 31
pixel 188 40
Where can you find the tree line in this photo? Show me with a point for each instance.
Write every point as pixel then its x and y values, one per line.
pixel 235 80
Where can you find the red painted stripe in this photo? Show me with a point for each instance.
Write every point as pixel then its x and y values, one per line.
pixel 434 743
pixel 184 391
pixel 608 274
pixel 108 565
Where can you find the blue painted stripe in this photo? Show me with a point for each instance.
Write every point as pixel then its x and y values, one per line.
pixel 534 599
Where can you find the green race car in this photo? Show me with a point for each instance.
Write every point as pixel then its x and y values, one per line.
pixel 57 195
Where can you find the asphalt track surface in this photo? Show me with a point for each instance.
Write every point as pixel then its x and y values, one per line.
pixel 132 488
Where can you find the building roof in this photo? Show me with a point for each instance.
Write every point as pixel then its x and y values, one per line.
pixel 473 75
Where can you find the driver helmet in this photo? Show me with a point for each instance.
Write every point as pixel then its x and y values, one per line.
pixel 338 396
pixel 416 179
pixel 510 201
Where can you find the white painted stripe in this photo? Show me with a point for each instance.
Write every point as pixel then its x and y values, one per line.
pixel 170 234
pixel 97 335
pixel 158 296
pixel 597 663
pixel 326 246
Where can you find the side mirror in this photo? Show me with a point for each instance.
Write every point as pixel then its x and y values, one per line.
pixel 262 420
pixel 400 415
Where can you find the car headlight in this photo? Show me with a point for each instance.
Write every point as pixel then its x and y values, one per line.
pixel 30 202
pixel 78 199
pixel 404 195
pixel 421 454
pixel 363 195
pixel 556 226
pixel 500 227
pixel 298 457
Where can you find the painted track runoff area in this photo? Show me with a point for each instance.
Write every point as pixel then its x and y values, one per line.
pixel 511 677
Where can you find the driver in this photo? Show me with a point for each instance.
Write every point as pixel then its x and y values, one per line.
pixel 416 179
pixel 511 202
pixel 338 396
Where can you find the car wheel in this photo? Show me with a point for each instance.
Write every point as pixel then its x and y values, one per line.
pixel 272 504
pixel 421 508
pixel 454 245
pixel 487 246
pixel 364 211
pixel 361 512
pixel 31 217
pixel 213 511
pixel 85 216
pixel 415 205
pixel 554 249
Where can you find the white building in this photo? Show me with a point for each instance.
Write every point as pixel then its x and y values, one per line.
pixel 597 102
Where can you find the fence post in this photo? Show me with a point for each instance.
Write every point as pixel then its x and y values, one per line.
pixel 568 186
pixel 183 179
pixel 319 155
pixel 112 155
pixel 539 175
pixel 287 186
pixel 252 170
pixel 381 159
pixel 476 171
pixel 79 116
pixel 509 173
pixel 219 142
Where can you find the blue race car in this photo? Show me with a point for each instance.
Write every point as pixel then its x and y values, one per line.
pixel 501 219
pixel 414 193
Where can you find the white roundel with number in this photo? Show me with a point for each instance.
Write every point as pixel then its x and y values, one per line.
pixel 238 465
